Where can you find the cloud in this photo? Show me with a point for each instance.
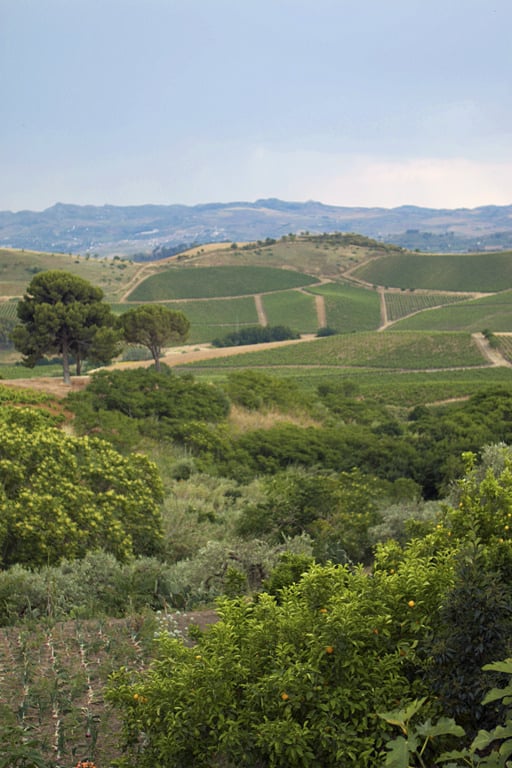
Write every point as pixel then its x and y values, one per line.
pixel 431 182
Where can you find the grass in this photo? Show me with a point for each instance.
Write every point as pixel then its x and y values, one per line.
pixel 321 255
pixel 405 351
pixel 15 371
pixel 292 308
pixel 17 268
pixel 483 272
pixel 492 312
pixel 349 308
pixel 401 304
pixel 211 282
pixel 209 318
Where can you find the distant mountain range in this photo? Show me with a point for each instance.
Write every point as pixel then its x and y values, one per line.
pixel 151 231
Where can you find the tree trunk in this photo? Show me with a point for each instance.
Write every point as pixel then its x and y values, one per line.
pixel 155 351
pixel 65 364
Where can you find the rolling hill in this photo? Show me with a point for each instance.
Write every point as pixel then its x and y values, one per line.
pixel 152 231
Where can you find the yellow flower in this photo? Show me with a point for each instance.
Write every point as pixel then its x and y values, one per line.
pixel 411 603
pixel 323 610
pixel 329 649
pixel 284 696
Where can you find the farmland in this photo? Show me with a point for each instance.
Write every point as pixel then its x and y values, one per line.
pixel 484 272
pixel 210 282
pixel 402 304
pixel 493 312
pixel 404 351
pixel 349 308
pixel 295 309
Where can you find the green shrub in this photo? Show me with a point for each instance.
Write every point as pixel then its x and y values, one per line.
pixel 257 334
pixel 291 684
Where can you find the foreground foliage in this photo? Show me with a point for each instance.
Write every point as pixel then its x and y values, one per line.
pixel 62 496
pixel 302 678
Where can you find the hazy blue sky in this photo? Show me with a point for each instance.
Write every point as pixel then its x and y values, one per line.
pixel 350 102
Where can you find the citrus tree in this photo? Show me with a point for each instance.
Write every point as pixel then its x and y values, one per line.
pixel 313 674
pixel 61 497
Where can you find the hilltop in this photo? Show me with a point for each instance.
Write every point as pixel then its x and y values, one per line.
pixel 152 231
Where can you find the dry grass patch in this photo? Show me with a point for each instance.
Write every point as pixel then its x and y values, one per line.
pixel 242 420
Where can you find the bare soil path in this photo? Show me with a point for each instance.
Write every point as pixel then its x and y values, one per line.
pixel 175 356
pixel 494 356
pixel 260 310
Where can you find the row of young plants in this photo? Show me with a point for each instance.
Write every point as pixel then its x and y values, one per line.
pixel 52 706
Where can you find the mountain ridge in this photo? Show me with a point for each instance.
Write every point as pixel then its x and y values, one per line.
pixel 138 230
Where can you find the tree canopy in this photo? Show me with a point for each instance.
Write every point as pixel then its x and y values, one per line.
pixel 154 326
pixel 64 314
pixel 61 497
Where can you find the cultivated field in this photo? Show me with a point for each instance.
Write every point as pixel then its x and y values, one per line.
pixel 295 309
pixel 210 282
pixel 401 304
pixel 490 312
pixel 403 351
pixel 484 272
pixel 298 282
pixel 349 308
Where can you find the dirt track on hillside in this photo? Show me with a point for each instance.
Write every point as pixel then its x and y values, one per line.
pixel 190 353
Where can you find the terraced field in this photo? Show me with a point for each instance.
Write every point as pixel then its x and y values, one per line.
pixel 493 312
pixel 483 272
pixel 387 351
pixel 349 308
pixel 402 304
pixel 211 282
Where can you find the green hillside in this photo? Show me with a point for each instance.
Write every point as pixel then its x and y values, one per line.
pixel 400 351
pixel 484 272
pixel 493 312
pixel 349 308
pixel 17 268
pixel 209 282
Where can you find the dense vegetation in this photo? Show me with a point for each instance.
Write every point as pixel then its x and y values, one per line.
pixel 257 334
pixel 357 539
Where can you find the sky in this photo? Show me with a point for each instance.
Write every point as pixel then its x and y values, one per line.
pixel 347 102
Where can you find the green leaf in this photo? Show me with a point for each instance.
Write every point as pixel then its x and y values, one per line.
pixel 499 666
pixel 506 749
pixel 497 693
pixel 401 717
pixel 443 727
pixel 398 755
pixel 482 740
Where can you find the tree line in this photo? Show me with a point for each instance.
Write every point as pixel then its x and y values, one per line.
pixel 64 314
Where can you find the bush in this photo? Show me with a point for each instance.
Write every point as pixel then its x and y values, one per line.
pixel 258 334
pixel 255 390
pixel 294 683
